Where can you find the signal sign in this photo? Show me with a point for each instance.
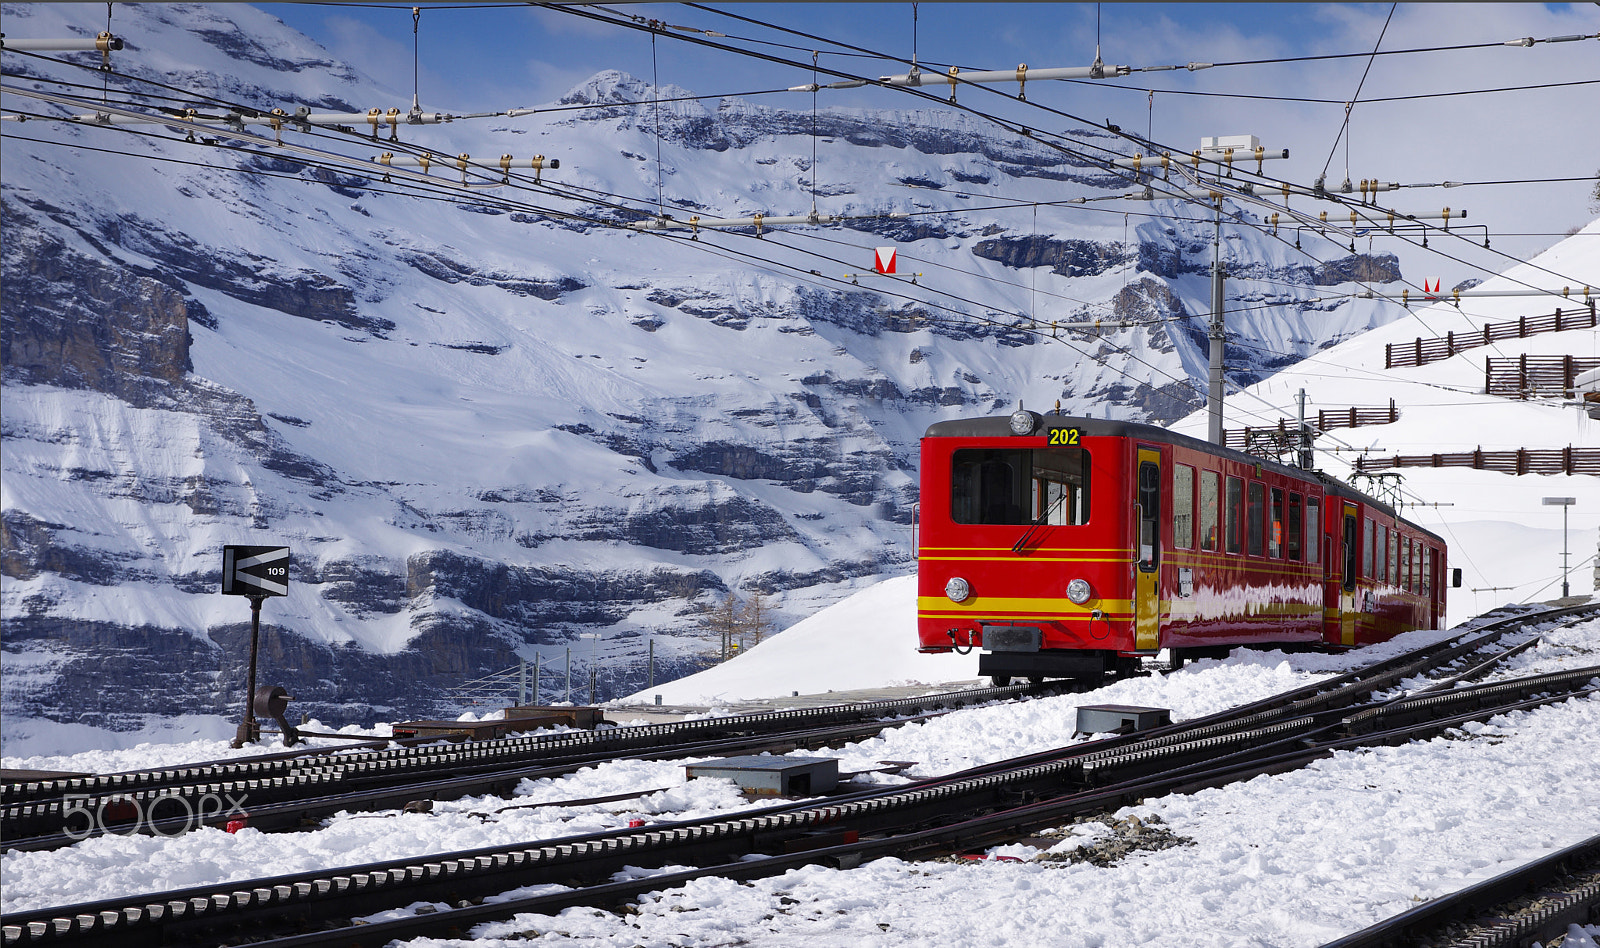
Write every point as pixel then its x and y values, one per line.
pixel 255 570
pixel 883 259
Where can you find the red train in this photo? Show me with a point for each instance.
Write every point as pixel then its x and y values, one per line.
pixel 1069 547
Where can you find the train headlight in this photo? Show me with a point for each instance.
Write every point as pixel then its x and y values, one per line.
pixel 1023 421
pixel 1078 591
pixel 957 589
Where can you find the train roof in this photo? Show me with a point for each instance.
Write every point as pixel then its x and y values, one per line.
pixel 999 426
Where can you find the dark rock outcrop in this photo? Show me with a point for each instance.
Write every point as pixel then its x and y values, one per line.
pixel 1069 258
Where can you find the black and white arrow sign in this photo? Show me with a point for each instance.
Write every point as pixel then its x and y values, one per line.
pixel 255 570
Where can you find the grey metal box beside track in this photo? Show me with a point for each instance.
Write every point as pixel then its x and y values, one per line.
pixel 1106 718
pixel 773 776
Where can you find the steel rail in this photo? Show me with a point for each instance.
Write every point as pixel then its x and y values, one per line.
pixel 793 821
pixel 510 746
pixel 986 829
pixel 1576 905
pixel 298 813
pixel 45 806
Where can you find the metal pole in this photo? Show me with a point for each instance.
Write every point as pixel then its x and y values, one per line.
pixel 1305 436
pixel 536 657
pixel 1214 397
pixel 1563 503
pixel 569 674
pixel 522 681
pixel 652 682
pixel 1565 590
pixel 249 731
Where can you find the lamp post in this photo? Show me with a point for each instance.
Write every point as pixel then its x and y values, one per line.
pixel 1563 503
pixel 594 658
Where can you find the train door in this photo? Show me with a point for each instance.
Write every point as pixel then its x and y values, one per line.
pixel 1351 561
pixel 1147 552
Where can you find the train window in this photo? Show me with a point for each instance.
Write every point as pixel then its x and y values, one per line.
pixel 1394 556
pixel 1235 522
pixel 1256 510
pixel 1367 550
pixel 1313 531
pixel 1019 486
pixel 1416 565
pixel 1350 528
pixel 1292 533
pixel 1381 554
pixel 1427 571
pixel 1183 506
pixel 1149 513
pixel 1210 494
pixel 1275 526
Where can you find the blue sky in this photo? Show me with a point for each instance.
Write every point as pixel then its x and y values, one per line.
pixel 539 53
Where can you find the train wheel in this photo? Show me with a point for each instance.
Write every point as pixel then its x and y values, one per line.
pixel 1000 681
pixel 1035 679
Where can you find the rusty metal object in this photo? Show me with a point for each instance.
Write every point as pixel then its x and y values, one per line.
pixel 271 701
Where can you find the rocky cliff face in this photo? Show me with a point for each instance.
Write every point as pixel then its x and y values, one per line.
pixel 488 432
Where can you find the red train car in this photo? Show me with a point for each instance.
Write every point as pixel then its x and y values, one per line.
pixel 1069 547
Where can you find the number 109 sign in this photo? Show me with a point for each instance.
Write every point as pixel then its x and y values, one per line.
pixel 255 570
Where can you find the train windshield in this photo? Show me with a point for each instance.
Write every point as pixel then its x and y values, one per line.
pixel 1020 486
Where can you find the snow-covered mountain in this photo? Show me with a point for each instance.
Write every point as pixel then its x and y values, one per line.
pixel 486 430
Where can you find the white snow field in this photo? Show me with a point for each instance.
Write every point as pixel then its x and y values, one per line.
pixel 1289 860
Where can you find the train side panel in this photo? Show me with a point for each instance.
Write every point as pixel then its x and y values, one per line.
pixel 1239 570
pixel 1390 575
pixel 1077 544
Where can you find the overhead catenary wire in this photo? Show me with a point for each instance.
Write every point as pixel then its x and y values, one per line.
pixel 964 317
pixel 1013 327
pixel 1014 127
pixel 1370 100
pixel 1010 327
pixel 968 109
pixel 1344 127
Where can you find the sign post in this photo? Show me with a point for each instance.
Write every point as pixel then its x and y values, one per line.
pixel 256 572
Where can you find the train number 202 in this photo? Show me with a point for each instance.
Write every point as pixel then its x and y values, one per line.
pixel 1064 437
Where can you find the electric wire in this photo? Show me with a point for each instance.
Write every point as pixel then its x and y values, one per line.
pixel 1010 126
pixel 1102 84
pixel 985 115
pixel 1034 202
pixel 1004 326
pixel 1355 98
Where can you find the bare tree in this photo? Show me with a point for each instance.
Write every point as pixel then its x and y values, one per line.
pixel 758 617
pixel 739 623
pixel 727 621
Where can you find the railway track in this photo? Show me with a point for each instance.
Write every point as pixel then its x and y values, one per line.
pixel 1535 902
pixel 980 806
pixel 287 791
